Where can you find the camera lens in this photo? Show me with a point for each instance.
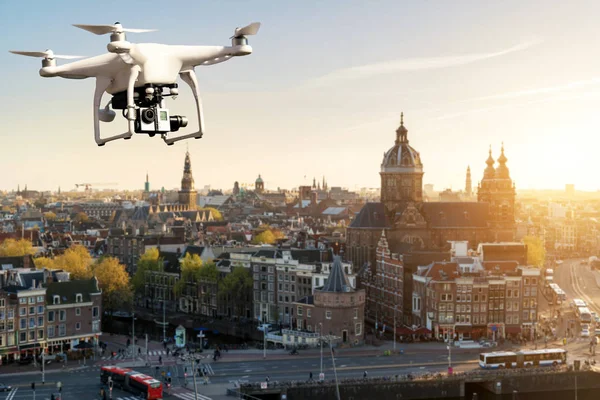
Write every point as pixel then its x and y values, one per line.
pixel 177 121
pixel 148 116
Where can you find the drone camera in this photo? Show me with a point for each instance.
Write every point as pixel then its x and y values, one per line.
pixel 152 120
pixel 177 121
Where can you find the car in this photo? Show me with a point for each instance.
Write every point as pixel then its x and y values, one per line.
pixel 5 388
pixel 585 333
pixel 585 327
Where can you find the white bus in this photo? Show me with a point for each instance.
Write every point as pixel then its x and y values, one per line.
pixel 585 315
pixel 525 358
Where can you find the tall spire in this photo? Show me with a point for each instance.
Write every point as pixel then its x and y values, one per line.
pixel 502 170
pixel 489 172
pixel 187 182
pixel 468 188
pixel 401 132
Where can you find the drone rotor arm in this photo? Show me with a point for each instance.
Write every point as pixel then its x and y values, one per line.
pixel 101 85
pixel 189 77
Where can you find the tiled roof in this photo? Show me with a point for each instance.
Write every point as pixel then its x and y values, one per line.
pixel 442 271
pixel 372 215
pixel 337 280
pixel 68 290
pixel 456 215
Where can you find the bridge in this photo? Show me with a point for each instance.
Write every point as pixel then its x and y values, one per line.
pixel 533 383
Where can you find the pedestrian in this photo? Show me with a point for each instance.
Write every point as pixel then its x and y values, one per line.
pixel 267 379
pixel 139 351
pixel 168 352
pixel 310 376
pixel 365 375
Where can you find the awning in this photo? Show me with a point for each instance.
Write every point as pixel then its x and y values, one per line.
pixel 512 329
pixel 403 330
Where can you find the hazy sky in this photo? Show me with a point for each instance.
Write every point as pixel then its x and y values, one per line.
pixel 322 93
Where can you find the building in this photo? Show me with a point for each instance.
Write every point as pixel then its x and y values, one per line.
pixel 74 314
pixel 259 185
pixel 187 194
pixel 413 225
pixel 336 309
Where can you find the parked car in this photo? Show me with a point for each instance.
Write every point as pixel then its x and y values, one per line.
pixel 585 333
pixel 5 388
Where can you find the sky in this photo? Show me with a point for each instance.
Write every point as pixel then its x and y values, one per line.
pixel 321 95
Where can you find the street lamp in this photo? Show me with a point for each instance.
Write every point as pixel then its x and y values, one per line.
pixel 321 340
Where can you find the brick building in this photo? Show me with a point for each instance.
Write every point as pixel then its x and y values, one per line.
pixel 336 309
pixel 74 314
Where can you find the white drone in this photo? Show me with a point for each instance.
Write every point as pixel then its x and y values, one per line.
pixel 140 76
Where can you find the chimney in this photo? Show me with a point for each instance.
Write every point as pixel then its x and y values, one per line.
pixel 33 284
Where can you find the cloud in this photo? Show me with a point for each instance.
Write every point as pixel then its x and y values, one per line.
pixel 544 90
pixel 414 64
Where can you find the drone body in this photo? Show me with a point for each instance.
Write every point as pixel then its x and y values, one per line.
pixel 141 76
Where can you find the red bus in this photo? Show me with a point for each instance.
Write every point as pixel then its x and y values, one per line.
pixel 133 382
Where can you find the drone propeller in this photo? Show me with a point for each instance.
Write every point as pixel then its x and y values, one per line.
pixel 48 54
pixel 116 28
pixel 251 29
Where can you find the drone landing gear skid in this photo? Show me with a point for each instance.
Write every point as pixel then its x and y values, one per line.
pixel 189 77
pixel 102 83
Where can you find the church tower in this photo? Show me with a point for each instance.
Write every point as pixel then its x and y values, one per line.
pixel 468 189
pixel 259 185
pixel 401 174
pixel 498 190
pixel 147 184
pixel 187 194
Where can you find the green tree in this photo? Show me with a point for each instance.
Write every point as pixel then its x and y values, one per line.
pixel 194 270
pixel 16 248
pixel 149 261
pixel 235 289
pixel 536 252
pixel 113 279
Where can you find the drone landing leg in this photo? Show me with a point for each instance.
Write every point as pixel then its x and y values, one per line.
pixel 189 77
pixel 102 84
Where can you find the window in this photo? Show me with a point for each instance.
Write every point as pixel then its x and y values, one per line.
pixel 31 335
pixel 62 331
pixel 40 321
pixel 40 309
pixel 356 313
pixel 40 334
pixel 55 299
pixel 23 311
pixel 78 326
pixel 299 312
pixel 308 312
pixel 31 310
pixel 23 324
pixel 328 314
pixel 358 329
pixel 22 300
pixel 50 316
pixel 40 299
pixel 95 312
pixel 32 300
pixel 78 311
pixel 78 298
pixel 22 337
pixel 62 316
pixel 1 302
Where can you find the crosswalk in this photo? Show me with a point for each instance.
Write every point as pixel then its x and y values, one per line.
pixel 143 353
pixel 191 396
pixel 184 396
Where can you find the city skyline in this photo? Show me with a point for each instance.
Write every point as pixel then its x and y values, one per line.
pixel 461 78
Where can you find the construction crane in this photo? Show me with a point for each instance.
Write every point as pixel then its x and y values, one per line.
pixel 88 186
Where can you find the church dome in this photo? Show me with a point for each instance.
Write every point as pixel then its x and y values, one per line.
pixel 401 157
pixel 259 179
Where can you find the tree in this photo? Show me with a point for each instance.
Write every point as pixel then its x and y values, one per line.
pixel 194 270
pixel 536 252
pixel 266 237
pixel 77 261
pixel 235 289
pixel 50 216
pixel 44 262
pixel 113 279
pixel 16 248
pixel 149 261
pixel 215 213
pixel 81 217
